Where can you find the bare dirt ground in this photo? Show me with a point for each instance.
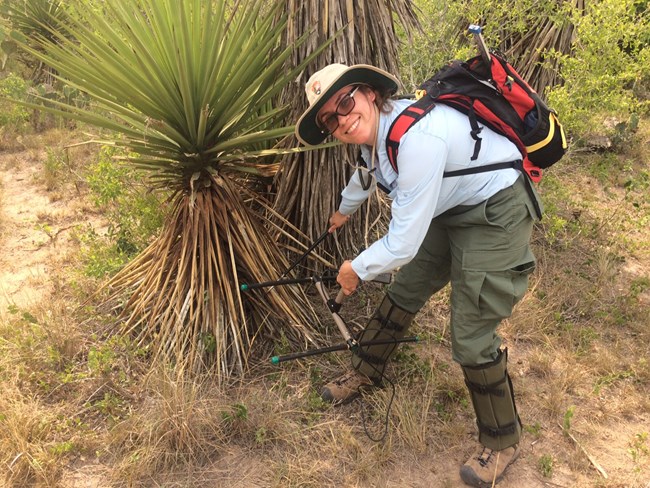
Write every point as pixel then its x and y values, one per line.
pixel 37 226
pixel 27 251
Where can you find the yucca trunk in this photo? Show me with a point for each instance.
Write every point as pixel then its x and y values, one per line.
pixel 184 300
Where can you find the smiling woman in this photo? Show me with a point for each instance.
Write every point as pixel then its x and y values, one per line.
pixel 340 92
pixel 355 123
pixel 341 104
pixel 472 230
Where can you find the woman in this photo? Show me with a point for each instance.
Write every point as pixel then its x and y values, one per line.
pixel 472 231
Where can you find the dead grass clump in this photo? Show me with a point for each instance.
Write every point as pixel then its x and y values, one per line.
pixel 32 440
pixel 343 459
pixel 38 346
pixel 180 422
pixel 335 454
pixel 294 471
pixel 12 137
pixel 46 379
pixel 412 416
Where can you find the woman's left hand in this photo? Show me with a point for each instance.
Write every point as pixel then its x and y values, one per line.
pixel 347 278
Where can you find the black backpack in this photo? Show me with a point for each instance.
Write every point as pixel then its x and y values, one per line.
pixel 489 90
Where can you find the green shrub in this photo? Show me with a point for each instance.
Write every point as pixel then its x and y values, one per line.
pixel 545 465
pixel 608 62
pixel 134 214
pixel 13 87
pixel 423 53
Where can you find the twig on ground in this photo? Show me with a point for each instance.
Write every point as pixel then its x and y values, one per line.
pixel 595 464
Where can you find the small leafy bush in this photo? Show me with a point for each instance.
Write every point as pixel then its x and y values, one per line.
pixel 13 87
pixel 134 214
pixel 603 74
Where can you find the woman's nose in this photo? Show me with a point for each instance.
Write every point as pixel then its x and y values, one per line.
pixel 342 118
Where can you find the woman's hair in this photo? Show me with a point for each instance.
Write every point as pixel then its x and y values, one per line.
pixel 382 98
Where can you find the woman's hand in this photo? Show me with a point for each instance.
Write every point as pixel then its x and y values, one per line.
pixel 337 220
pixel 347 278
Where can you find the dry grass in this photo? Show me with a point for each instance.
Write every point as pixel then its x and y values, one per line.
pixel 2 217
pixel 28 440
pixel 76 403
pixel 40 391
pixel 179 421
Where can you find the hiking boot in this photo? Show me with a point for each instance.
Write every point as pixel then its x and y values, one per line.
pixel 346 388
pixel 488 466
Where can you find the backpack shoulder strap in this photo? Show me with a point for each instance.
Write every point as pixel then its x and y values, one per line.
pixel 402 123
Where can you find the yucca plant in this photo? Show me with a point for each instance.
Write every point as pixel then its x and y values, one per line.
pixel 28 20
pixel 34 17
pixel 190 88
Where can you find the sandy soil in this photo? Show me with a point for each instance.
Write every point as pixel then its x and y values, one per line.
pixel 26 250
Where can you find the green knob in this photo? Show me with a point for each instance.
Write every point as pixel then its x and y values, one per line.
pixel 243 287
pixel 275 360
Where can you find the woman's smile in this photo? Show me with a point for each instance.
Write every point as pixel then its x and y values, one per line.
pixel 354 125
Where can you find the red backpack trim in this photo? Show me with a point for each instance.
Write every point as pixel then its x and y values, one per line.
pixel 497 97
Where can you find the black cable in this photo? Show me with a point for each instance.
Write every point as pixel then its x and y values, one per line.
pixel 382 378
pixel 387 416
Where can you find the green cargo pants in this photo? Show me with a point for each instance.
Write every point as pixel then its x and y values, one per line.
pixel 484 251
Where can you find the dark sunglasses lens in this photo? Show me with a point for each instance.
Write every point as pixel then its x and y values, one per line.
pixel 331 123
pixel 346 105
pixel 327 125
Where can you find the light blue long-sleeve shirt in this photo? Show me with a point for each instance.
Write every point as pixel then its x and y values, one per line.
pixel 439 142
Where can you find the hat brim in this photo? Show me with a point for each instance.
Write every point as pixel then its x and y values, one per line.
pixel 308 132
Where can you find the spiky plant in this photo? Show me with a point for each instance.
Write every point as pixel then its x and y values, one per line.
pixel 34 17
pixel 189 86
pixel 31 19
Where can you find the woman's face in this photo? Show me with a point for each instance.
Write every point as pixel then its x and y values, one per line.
pixel 359 126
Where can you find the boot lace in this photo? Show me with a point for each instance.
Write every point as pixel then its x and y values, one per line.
pixel 484 459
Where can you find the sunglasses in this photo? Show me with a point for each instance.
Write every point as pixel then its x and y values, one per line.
pixel 330 123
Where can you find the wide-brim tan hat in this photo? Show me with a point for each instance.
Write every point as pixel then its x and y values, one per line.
pixel 326 82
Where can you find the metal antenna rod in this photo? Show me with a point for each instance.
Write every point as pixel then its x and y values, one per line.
pixel 311 248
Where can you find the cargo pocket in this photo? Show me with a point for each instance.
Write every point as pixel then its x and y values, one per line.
pixel 501 290
pixel 492 286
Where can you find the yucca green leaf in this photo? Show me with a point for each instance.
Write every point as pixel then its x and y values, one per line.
pixel 176 78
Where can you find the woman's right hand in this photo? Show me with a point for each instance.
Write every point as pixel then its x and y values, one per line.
pixel 337 220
